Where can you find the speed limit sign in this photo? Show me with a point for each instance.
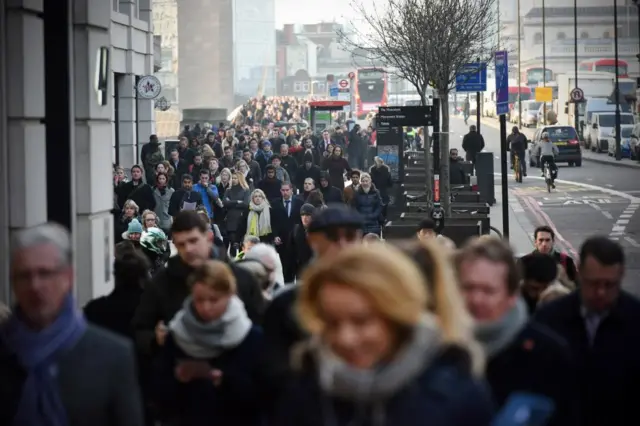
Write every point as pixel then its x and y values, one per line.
pixel 577 95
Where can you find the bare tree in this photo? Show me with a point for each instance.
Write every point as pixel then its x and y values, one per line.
pixel 427 42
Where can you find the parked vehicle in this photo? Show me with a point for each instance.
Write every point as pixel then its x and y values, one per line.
pixel 626 147
pixel 565 138
pixel 529 113
pixel 591 107
pixel 602 127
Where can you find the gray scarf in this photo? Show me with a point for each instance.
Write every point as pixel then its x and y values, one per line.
pixel 375 386
pixel 497 335
pixel 208 340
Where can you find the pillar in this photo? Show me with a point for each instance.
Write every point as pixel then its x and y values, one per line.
pixel 23 183
pixel 127 119
pixel 145 107
pixel 92 155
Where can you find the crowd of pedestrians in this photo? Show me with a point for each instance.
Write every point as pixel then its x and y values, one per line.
pixel 301 314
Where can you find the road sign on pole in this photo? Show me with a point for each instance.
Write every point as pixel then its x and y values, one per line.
pixel 502 82
pixel 472 78
pixel 577 95
pixel 544 94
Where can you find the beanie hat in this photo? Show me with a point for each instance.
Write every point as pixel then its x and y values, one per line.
pixel 134 227
pixel 307 209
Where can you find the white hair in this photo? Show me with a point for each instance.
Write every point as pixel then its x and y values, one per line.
pixel 48 233
pixel 262 251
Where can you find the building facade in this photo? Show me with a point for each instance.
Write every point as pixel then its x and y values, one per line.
pixel 165 26
pixel 56 137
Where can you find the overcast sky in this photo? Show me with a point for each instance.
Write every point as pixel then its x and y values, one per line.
pixel 313 11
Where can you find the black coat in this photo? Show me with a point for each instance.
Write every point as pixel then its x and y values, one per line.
pixel 608 372
pixel 270 187
pixel 457 175
pixel 299 250
pixel 336 166
pixel 236 202
pixel 473 143
pixel 116 310
pixel 303 173
pixel 281 223
pixel 125 190
pixel 235 402
pixel 181 196
pixel 331 194
pixel 381 178
pixel 369 205
pixel 537 361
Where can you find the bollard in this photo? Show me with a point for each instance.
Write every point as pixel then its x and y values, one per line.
pixel 484 173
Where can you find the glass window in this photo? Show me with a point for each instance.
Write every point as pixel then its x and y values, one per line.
pixel 557 134
pixel 584 34
pixel 537 38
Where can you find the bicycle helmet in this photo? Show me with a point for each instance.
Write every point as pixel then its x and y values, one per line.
pixel 545 135
pixel 154 240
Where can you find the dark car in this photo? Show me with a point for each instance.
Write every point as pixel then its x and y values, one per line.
pixel 567 141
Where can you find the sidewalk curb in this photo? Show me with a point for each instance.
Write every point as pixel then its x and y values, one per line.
pixel 629 165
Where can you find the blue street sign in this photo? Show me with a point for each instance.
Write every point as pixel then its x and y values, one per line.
pixel 334 91
pixel 472 78
pixel 502 82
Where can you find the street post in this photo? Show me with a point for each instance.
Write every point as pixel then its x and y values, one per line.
pixel 617 88
pixel 502 108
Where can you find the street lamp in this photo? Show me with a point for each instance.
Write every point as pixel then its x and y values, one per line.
pixel 544 61
pixel 519 72
pixel 617 88
pixel 575 64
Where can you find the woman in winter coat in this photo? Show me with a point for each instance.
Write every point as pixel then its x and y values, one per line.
pixel 236 201
pixel 393 366
pixel 366 200
pixel 381 178
pixel 130 211
pixel 337 166
pixel 162 194
pixel 206 372
pixel 259 217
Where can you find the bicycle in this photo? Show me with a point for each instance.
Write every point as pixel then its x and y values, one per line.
pixel 548 178
pixel 517 168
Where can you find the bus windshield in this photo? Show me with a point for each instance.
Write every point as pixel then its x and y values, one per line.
pixel 523 97
pixel 371 91
pixel 370 75
pixel 622 69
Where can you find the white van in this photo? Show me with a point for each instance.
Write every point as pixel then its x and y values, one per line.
pixel 588 109
pixel 603 125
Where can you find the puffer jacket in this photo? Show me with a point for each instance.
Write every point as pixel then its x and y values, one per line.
pixel 163 198
pixel 369 205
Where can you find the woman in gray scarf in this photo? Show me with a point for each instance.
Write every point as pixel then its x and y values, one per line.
pixel 207 367
pixel 376 356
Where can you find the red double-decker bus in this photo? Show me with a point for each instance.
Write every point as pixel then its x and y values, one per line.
pixel 605 65
pixel 371 89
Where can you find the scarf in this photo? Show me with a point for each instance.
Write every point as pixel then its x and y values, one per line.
pixel 376 386
pixel 208 340
pixel 259 220
pixel 38 352
pixel 497 335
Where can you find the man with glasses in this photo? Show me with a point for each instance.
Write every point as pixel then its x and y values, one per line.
pixel 331 230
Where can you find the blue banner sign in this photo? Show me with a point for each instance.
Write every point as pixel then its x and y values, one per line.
pixel 472 78
pixel 502 82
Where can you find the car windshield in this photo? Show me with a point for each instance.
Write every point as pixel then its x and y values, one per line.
pixel 625 132
pixel 533 106
pixel 558 134
pixel 609 120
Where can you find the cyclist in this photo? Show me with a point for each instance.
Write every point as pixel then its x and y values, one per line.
pixel 518 144
pixel 547 152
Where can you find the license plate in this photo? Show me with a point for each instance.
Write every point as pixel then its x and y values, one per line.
pixel 561 143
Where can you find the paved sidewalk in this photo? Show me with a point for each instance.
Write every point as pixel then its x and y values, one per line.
pixel 586 154
pixel 520 227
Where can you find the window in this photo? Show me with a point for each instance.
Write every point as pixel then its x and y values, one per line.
pixel 584 34
pixel 297 87
pixel 167 58
pixel 115 4
pixel 305 86
pixel 606 34
pixel 537 38
pixel 561 36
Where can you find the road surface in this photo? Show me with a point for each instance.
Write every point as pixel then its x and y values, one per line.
pixel 592 199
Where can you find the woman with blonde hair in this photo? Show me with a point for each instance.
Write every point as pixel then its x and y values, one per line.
pixel 444 298
pixel 259 217
pixel 376 356
pixel 130 211
pixel 149 219
pixel 236 202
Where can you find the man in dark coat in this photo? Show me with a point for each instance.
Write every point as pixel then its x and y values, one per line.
pixel 522 356
pixel 285 214
pixel 472 143
pixel 164 296
pixel 600 323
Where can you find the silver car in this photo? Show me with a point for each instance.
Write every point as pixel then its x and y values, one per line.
pixel 529 113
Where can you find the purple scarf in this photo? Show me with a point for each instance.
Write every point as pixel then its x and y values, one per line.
pixel 38 353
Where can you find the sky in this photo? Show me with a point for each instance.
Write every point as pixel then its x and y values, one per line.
pixel 312 11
